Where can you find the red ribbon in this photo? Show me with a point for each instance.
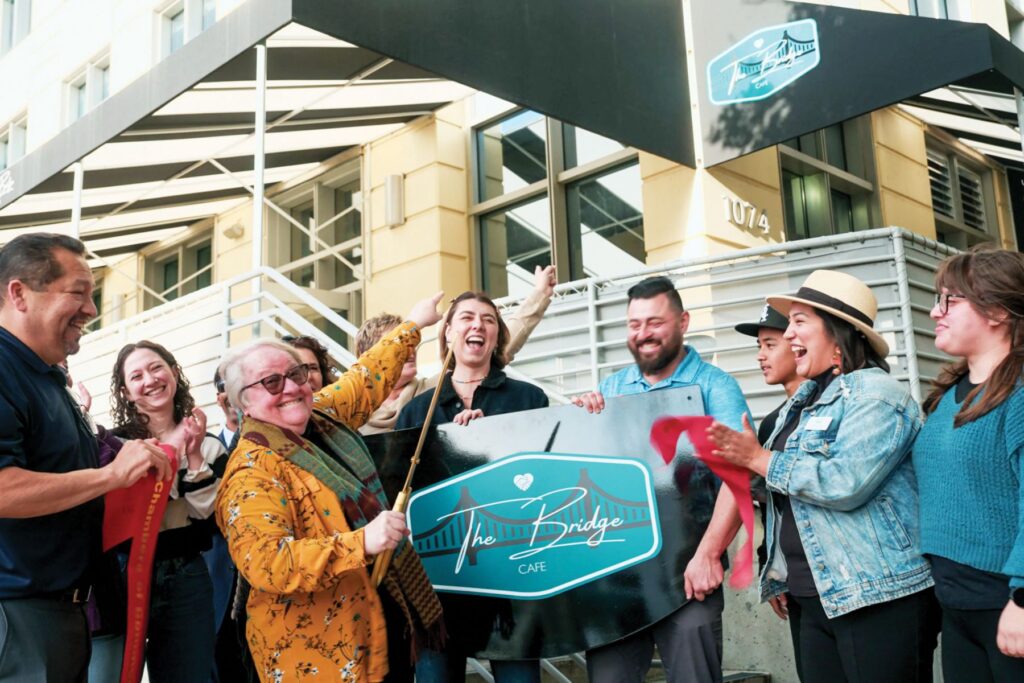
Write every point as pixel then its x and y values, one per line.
pixel 665 435
pixel 135 513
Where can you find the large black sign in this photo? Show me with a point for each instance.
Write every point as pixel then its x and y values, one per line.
pixel 608 608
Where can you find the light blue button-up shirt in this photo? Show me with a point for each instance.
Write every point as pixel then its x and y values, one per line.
pixel 723 399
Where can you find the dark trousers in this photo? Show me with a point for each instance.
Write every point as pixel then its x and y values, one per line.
pixel 43 641
pixel 969 651
pixel 891 642
pixel 399 644
pixel 689 641
pixel 180 637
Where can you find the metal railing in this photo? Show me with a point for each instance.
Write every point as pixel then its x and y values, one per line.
pixel 582 337
pixel 199 327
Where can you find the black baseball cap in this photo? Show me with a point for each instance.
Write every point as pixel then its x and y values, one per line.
pixel 770 318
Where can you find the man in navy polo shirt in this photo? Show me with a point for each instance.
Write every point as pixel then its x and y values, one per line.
pixel 690 639
pixel 51 511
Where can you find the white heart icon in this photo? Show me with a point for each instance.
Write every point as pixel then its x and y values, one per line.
pixel 523 481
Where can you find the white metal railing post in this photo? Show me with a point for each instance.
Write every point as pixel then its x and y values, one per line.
pixel 592 322
pixel 258 164
pixel 906 313
pixel 76 202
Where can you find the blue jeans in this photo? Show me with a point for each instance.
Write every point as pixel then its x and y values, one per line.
pixel 442 667
pixel 107 653
pixel 181 636
pixel 222 573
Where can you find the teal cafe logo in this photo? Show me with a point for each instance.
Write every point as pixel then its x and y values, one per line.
pixel 533 525
pixel 764 62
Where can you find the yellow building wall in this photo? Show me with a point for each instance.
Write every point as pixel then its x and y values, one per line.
pixel 433 248
pixel 903 189
pixel 991 12
pixel 687 211
pixel 119 286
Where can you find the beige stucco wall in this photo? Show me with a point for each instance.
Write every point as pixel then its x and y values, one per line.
pixel 119 282
pixel 432 249
pixel 904 193
pixel 685 209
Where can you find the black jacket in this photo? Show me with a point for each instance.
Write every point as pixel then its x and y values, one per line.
pixel 496 395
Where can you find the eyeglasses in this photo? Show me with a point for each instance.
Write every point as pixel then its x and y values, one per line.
pixel 274 384
pixel 311 367
pixel 942 301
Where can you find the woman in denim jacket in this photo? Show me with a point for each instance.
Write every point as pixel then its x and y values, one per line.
pixel 843 539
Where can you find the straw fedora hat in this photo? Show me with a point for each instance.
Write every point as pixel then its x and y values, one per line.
pixel 842 295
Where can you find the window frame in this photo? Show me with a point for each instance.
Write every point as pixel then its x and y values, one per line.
pixel 857 180
pixel 188 275
pixel 91 76
pixel 955 231
pixel 555 187
pixel 15 130
pixel 14 25
pixel 193 22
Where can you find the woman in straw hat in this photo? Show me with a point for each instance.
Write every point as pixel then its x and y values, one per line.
pixel 842 513
pixel 969 460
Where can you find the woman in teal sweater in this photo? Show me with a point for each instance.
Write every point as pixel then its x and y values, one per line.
pixel 969 460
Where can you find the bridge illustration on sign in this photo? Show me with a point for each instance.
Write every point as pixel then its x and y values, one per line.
pixel 764 62
pixel 449 536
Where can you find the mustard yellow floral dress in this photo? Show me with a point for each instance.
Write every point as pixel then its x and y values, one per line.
pixel 313 613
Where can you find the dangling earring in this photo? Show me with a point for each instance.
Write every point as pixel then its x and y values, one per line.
pixel 837 363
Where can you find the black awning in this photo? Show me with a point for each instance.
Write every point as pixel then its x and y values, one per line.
pixel 770 71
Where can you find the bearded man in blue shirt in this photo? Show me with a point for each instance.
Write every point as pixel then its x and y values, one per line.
pixel 51 511
pixel 690 639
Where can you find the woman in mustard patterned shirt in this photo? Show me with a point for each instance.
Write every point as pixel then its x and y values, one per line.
pixel 304 515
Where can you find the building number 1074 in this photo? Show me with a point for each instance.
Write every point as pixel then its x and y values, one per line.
pixel 744 214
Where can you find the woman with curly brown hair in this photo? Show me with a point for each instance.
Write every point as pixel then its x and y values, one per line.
pixel 150 398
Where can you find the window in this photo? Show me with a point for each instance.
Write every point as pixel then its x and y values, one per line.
pixel 513 241
pixel 88 87
pixel 936 9
pixel 12 142
pixel 183 20
pixel 320 245
pixel 182 270
pixel 826 187
pixel 176 29
pixel 548 192
pixel 15 22
pixel 209 9
pixel 962 199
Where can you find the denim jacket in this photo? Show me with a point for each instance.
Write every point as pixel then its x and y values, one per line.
pixel 847 471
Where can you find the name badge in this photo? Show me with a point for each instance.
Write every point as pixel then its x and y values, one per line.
pixel 818 423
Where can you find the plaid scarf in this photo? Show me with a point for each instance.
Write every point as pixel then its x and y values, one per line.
pixel 362 498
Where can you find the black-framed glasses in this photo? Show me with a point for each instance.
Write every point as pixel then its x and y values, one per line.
pixel 274 384
pixel 942 300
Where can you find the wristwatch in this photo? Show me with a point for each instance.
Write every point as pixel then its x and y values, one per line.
pixel 1017 595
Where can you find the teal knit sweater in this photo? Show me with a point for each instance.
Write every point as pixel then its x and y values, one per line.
pixel 971 482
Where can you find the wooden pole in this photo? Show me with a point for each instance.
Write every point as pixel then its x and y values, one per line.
pixel 383 561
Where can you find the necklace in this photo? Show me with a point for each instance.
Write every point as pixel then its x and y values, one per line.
pixel 469 381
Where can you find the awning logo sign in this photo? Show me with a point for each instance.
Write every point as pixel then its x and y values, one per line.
pixel 764 62
pixel 533 525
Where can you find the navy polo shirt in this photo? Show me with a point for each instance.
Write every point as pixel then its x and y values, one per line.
pixel 41 429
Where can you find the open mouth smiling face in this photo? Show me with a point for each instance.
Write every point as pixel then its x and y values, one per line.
pixel 473 332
